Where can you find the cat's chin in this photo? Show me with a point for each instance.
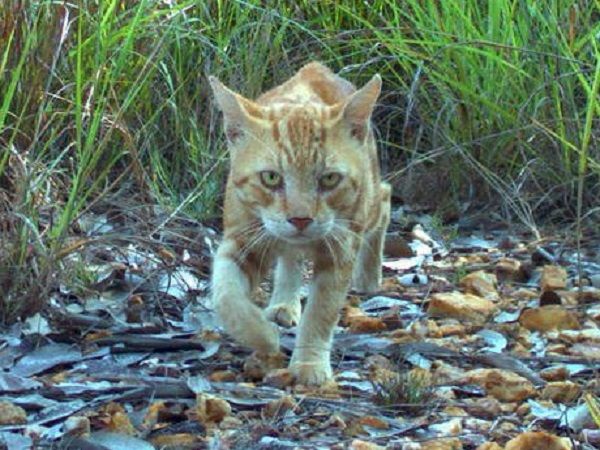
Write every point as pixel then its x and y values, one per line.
pixel 299 239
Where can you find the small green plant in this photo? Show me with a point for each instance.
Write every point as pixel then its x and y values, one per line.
pixel 406 391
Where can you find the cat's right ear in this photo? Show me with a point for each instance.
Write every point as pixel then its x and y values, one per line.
pixel 237 110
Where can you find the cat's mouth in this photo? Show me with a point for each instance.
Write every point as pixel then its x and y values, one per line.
pixel 300 237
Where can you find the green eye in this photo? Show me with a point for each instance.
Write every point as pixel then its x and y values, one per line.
pixel 271 179
pixel 330 180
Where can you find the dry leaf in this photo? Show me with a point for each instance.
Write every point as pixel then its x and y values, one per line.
pixel 115 419
pixel 366 324
pixel 11 414
pixel 211 409
pixel 279 378
pixel 279 407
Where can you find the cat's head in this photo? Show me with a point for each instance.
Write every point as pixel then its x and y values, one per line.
pixel 300 167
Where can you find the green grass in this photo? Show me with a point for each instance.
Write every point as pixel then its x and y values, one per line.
pixel 110 98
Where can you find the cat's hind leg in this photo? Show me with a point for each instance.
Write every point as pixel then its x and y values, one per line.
pixel 367 270
pixel 284 307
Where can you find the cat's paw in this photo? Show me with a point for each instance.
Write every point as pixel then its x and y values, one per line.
pixel 285 314
pixel 367 284
pixel 313 373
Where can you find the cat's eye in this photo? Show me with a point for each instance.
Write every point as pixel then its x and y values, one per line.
pixel 330 180
pixel 271 179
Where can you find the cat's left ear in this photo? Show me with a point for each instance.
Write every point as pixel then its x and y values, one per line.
pixel 238 111
pixel 359 107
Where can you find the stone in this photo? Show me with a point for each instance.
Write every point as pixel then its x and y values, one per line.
pixel 548 318
pixel 509 269
pixel 561 391
pixel 460 306
pixel 504 385
pixel 537 441
pixel 553 278
pixel 480 283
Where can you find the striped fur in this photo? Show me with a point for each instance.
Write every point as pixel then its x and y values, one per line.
pixel 312 138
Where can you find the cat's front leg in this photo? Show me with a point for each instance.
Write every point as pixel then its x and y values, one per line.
pixel 232 283
pixel 284 307
pixel 310 361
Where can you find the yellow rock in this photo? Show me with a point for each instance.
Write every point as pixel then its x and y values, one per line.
pixel 509 269
pixel 553 278
pixel 548 318
pixel 557 373
pixel 480 283
pixel 460 306
pixel 561 391
pixel 537 441
pixel 504 385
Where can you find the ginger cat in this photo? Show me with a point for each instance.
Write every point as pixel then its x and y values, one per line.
pixel 304 183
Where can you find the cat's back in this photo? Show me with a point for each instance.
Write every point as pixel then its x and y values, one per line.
pixel 313 83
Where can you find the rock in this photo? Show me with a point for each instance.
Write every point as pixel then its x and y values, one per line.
pixel 504 385
pixel 561 391
pixel 547 318
pixel 279 407
pixel 553 278
pixel 484 408
pixel 11 414
pixel 221 376
pixel 509 269
pixel 556 373
pixel 537 441
pixel 480 283
pixel 211 409
pixel 589 351
pixel 460 306
pixel 589 335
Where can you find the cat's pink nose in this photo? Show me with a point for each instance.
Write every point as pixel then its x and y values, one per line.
pixel 300 222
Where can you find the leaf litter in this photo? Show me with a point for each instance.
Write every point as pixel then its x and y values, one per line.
pixel 484 341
